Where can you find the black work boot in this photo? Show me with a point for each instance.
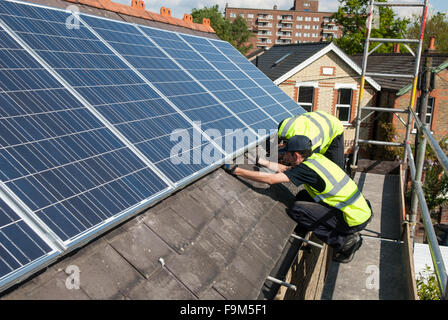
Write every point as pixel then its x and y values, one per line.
pixel 351 244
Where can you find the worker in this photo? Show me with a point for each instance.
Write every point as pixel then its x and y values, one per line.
pixel 331 207
pixel 325 131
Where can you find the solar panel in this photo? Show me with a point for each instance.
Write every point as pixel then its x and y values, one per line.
pixel 239 79
pixel 137 111
pixel 20 246
pixel 69 169
pixel 256 81
pixel 211 79
pixel 150 60
pixel 92 115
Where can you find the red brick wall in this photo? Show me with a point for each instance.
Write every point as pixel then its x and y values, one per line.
pixel 439 124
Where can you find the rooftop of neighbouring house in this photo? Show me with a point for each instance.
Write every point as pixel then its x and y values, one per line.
pixel 135 13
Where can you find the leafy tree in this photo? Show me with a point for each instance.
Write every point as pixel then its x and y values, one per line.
pixel 236 33
pixel 427 286
pixel 436 25
pixel 435 185
pixel 352 18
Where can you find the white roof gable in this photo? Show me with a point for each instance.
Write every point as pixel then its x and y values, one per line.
pixel 340 53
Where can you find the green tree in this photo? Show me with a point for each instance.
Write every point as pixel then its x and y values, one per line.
pixel 427 286
pixel 435 185
pixel 436 25
pixel 352 18
pixel 236 33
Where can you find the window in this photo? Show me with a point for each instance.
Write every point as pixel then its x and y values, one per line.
pixel 299 18
pixel 316 19
pixel 315 27
pixel 298 34
pixel 233 15
pixel 307 26
pixel 306 97
pixel 429 112
pixel 306 35
pixel 299 26
pixel 306 4
pixel 344 104
pixel 307 18
pixel 250 15
pixel 242 15
pixel 315 35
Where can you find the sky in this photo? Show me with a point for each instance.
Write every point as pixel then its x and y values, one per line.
pixel 179 7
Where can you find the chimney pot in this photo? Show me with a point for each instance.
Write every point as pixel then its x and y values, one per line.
pixel 396 48
pixel 432 43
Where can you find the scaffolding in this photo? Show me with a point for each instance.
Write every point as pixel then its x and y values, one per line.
pixel 423 133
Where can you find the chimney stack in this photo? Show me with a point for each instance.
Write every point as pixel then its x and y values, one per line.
pixel 396 48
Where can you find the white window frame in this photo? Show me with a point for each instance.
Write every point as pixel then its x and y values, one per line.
pixel 338 87
pixel 433 99
pixel 314 85
pixel 232 15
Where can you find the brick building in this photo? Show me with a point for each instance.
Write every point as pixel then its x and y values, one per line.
pixel 396 92
pixel 300 24
pixel 320 76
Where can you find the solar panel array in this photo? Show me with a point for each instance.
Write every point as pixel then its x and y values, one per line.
pixel 88 111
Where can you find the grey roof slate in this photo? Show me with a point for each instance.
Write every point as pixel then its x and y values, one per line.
pixel 298 53
pixel 402 63
pixel 219 238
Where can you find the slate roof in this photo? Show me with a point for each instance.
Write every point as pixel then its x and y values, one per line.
pixel 402 63
pixel 298 53
pixel 219 238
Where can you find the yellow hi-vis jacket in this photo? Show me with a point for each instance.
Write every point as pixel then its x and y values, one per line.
pixel 319 126
pixel 340 191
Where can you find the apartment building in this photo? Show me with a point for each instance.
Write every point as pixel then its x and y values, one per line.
pixel 300 24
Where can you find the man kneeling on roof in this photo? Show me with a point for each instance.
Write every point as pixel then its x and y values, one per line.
pixel 331 206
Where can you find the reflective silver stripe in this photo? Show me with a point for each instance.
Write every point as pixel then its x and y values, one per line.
pixel 328 123
pixel 317 124
pixel 324 171
pixel 349 201
pixel 336 188
pixel 287 126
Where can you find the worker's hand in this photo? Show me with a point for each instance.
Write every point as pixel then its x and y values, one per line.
pixel 230 168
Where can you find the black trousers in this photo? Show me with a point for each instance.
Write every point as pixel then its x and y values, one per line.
pixel 335 151
pixel 326 222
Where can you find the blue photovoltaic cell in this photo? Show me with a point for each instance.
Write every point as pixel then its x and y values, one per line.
pixel 19 244
pixel 166 76
pixel 55 155
pixel 276 110
pixel 255 79
pixel 200 69
pixel 112 88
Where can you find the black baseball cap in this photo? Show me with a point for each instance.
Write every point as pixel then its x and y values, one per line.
pixel 297 143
